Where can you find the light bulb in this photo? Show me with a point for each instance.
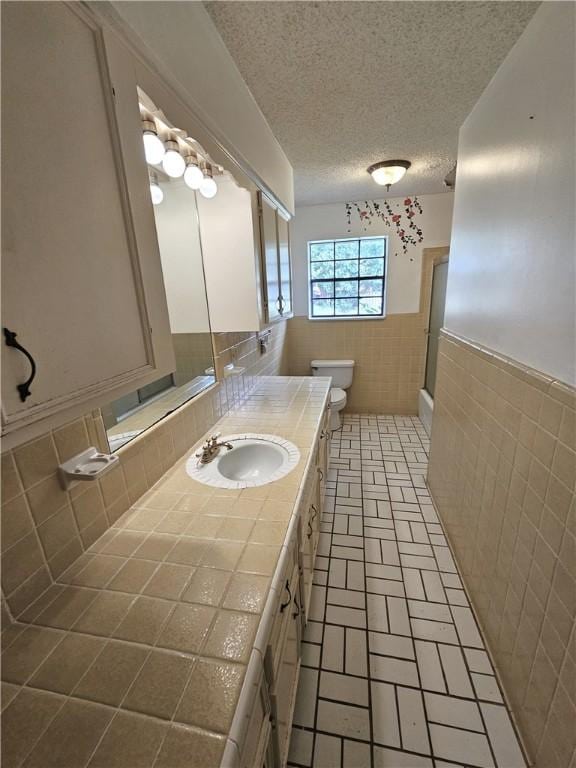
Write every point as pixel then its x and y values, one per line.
pixel 389 171
pixel 208 187
pixel 156 193
pixel 193 176
pixel 173 162
pixel 153 148
pixel 388 175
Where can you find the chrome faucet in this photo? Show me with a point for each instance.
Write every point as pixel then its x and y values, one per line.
pixel 210 449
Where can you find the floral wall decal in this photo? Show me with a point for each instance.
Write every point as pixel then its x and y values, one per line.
pixel 398 214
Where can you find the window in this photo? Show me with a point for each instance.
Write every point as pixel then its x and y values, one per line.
pixel 347 277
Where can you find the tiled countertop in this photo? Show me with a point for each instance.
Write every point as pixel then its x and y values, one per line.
pixel 136 657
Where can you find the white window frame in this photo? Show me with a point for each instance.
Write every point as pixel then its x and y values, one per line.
pixel 384 278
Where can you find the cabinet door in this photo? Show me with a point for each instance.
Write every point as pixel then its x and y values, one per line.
pixel 81 276
pixel 284 695
pixel 269 238
pixel 284 266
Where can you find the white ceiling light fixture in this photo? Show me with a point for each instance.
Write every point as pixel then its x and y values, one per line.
pixel 153 146
pixel 193 176
pixel 388 172
pixel 208 188
pixel 173 162
pixel 156 192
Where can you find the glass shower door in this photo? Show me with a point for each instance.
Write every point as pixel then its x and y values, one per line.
pixel 437 303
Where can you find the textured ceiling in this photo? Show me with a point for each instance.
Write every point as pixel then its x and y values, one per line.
pixel 345 84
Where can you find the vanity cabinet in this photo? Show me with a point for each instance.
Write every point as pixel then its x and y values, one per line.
pixel 82 284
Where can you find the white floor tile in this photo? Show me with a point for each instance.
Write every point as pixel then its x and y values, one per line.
pixel 346 597
pixel 343 720
pixel 393 670
pixel 333 648
pixel 504 743
pixel 356 662
pixel 377 613
pixel 486 688
pixel 413 727
pixel 434 630
pixel 413 583
pixel 478 661
pixel 385 587
pixel 448 710
pixel 391 645
pixel 385 715
pixel 431 676
pixel 356 754
pixel 466 627
pixel 355 575
pixel 327 752
pixel 389 758
pixel 398 621
pixel 351 690
pixel 301 745
pixel 305 707
pixel 346 617
pixel 464 746
pixel 433 587
pixel 385 576
pixel 434 611
pixel 455 671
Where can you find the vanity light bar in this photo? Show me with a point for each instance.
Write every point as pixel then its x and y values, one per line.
pixel 175 161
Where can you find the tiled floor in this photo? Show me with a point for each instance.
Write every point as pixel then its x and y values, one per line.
pixel 394 674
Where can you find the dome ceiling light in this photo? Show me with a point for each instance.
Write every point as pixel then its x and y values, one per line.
pixel 388 172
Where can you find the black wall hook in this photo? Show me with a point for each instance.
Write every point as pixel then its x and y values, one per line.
pixel 24 388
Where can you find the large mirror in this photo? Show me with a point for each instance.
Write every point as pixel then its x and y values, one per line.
pixel 176 217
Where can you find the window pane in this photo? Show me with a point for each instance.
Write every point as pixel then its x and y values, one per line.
pixel 371 267
pixel 321 251
pixel 322 269
pixel 371 306
pixel 323 290
pixel 348 249
pixel 370 287
pixel 322 307
pixel 372 249
pixel 346 306
pixel 347 288
pixel 346 269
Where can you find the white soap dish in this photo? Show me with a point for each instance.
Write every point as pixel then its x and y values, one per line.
pixel 88 465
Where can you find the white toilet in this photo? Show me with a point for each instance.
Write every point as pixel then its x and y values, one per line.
pixel 341 372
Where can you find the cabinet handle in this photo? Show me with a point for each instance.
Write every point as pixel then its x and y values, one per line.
pixel 315 512
pixel 24 388
pixel 309 529
pixel 321 473
pixel 287 603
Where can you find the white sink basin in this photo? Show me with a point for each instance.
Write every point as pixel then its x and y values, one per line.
pixel 253 460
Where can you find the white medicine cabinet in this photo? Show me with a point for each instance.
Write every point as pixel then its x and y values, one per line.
pixel 85 316
pixel 82 284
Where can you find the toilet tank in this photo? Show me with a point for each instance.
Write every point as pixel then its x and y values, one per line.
pixel 341 371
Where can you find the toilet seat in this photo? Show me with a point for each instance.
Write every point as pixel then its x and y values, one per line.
pixel 337 396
